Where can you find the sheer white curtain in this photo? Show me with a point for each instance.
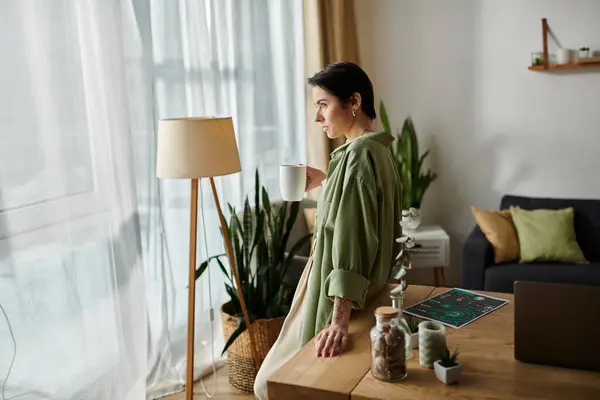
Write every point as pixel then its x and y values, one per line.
pixel 93 248
pixel 225 58
pixel 73 318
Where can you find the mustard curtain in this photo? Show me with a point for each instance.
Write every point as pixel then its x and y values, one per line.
pixel 329 35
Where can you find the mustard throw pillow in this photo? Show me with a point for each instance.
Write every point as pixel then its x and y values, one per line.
pixel 498 228
pixel 547 235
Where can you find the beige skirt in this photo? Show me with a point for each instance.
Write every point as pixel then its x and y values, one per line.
pixel 288 342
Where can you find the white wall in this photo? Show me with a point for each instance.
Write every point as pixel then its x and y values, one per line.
pixel 460 69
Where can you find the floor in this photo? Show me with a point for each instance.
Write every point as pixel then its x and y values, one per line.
pixel 224 390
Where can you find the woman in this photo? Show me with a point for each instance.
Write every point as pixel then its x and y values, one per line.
pixel 357 222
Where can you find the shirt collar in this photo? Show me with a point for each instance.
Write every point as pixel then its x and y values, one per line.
pixel 384 138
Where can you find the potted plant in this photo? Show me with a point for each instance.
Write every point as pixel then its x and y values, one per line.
pixel 259 239
pixel 537 58
pixel 413 325
pixel 584 52
pixel 409 163
pixel 447 369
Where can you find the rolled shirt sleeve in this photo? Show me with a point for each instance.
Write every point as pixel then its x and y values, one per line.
pixel 355 243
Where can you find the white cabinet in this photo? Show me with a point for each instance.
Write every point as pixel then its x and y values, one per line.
pixel 432 250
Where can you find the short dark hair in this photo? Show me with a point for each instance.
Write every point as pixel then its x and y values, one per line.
pixel 343 79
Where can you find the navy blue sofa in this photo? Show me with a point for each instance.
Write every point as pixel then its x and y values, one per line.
pixel 479 272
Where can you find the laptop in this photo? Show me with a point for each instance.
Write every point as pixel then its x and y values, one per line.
pixel 557 324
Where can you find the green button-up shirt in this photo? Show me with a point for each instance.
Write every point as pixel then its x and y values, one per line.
pixel 357 222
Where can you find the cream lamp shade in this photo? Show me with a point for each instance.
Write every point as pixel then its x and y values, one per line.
pixel 196 148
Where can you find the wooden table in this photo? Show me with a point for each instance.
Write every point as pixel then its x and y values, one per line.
pixel 486 352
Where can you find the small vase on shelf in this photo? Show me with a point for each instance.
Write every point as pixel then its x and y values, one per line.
pixel 536 58
pixel 563 56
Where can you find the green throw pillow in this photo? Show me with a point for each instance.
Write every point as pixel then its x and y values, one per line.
pixel 547 235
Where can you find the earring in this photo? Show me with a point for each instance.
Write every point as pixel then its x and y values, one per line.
pixel 354 113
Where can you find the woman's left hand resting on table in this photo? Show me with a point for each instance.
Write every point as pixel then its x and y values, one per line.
pixel 332 340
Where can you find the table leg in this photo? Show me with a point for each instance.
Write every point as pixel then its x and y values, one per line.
pixel 439 276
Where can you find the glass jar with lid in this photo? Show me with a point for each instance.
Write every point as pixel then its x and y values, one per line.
pixel 388 346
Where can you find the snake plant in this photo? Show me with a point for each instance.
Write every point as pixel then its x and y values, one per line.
pixel 408 161
pixel 259 241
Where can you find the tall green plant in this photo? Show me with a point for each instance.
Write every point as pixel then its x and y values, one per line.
pixel 409 163
pixel 259 241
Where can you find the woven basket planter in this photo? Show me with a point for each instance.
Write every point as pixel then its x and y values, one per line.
pixel 240 361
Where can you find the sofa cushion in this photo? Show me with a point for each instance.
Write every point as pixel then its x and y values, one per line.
pixel 547 235
pixel 501 277
pixel 586 220
pixel 499 230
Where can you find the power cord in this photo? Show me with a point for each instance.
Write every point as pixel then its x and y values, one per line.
pixel 212 313
pixel 12 335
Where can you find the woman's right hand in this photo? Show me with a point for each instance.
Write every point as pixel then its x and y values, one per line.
pixel 314 178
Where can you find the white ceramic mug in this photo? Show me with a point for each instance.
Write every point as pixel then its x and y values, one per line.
pixel 292 181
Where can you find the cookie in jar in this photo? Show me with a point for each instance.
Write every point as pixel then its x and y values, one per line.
pixel 388 342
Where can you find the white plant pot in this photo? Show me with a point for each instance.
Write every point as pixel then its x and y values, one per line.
pixel 411 219
pixel 414 340
pixel 447 375
pixel 563 56
pixel 584 54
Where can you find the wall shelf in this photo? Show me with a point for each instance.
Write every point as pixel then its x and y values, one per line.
pixel 553 67
pixel 546 66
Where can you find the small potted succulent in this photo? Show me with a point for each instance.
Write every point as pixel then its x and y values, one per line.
pixel 584 52
pixel 448 369
pixel 413 325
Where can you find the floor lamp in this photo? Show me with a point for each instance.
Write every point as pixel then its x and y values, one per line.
pixel 196 148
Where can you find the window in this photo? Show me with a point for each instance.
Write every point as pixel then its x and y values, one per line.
pixel 53 161
pixel 239 59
